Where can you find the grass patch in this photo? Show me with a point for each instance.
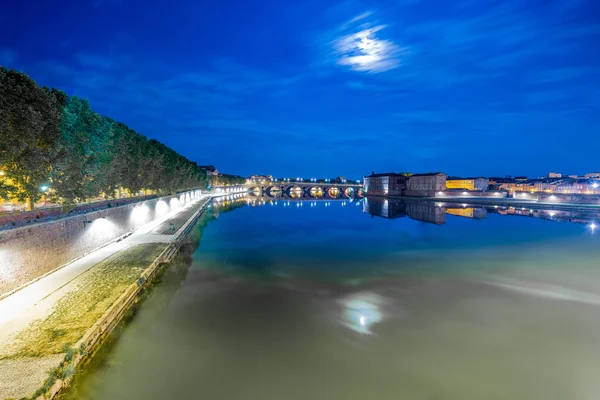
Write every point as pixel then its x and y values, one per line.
pixel 78 310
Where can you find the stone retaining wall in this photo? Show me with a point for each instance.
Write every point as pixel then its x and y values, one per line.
pixel 9 220
pixel 28 252
pixel 570 198
pixel 496 194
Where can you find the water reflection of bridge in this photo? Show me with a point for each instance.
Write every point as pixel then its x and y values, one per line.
pixel 435 212
pixel 308 190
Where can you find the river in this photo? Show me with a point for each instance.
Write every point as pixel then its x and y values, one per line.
pixel 369 299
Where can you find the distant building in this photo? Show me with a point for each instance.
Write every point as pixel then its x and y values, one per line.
pixel 593 175
pixel 521 178
pixel 467 183
pixel 554 175
pixel 568 186
pixel 261 178
pixel 209 169
pixel 385 184
pixel 426 184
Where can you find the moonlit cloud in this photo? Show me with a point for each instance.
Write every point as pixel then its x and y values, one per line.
pixel 363 50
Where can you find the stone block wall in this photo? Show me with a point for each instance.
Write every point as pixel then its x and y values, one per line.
pixel 570 198
pixel 28 252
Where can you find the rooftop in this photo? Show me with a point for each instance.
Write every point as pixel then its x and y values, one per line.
pixel 430 174
pixel 385 174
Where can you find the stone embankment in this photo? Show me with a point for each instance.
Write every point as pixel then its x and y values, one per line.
pixel 29 252
pixel 40 359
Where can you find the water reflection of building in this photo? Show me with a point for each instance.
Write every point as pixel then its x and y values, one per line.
pixel 468 212
pixel 384 208
pixel 583 216
pixel 417 210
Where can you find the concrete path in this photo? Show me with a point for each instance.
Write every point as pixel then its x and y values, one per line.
pixel 36 301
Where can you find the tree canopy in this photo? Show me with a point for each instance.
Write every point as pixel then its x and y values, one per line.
pixel 48 139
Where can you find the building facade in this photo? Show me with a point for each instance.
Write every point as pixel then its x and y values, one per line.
pixel 386 184
pixel 467 183
pixel 554 175
pixel 209 169
pixel 261 178
pixel 426 184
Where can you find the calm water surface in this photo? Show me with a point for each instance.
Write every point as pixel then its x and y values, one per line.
pixel 330 300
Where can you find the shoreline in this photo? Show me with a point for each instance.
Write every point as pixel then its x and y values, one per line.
pixel 83 349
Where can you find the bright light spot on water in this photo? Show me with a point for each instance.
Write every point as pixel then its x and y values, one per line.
pixel 361 311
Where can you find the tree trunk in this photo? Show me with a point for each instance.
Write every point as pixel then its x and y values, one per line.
pixel 30 204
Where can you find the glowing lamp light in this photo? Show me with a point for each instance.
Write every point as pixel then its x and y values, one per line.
pixel 140 215
pixel 161 208
pixel 594 185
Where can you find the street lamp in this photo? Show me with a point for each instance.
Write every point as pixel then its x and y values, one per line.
pixel 44 189
pixel 2 173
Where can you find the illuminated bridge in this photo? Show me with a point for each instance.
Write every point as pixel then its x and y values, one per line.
pixel 313 190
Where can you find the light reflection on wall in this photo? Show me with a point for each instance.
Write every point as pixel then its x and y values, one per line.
pixel 6 272
pixel 161 208
pixel 361 311
pixel 174 203
pixel 99 230
pixel 140 215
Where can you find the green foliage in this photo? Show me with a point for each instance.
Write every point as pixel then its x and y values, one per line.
pixel 29 132
pixel 225 179
pixel 48 138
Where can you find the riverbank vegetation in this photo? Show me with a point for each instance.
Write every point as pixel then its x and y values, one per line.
pixel 55 145
pixel 80 308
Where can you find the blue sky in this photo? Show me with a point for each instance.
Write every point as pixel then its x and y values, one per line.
pixel 325 88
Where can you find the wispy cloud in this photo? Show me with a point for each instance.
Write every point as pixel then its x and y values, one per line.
pixel 363 49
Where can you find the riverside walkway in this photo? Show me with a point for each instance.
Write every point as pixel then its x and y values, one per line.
pixel 57 309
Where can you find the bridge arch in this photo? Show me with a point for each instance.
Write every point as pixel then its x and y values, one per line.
pixel 316 192
pixel 273 191
pixel 334 192
pixel 295 192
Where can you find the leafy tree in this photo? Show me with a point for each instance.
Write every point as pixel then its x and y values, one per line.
pixel 47 138
pixel 29 130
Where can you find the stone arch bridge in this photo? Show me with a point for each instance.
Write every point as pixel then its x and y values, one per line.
pixel 307 190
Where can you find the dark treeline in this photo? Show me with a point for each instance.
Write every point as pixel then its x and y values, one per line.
pixel 226 179
pixel 48 139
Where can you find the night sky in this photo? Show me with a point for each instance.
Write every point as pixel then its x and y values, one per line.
pixel 321 88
